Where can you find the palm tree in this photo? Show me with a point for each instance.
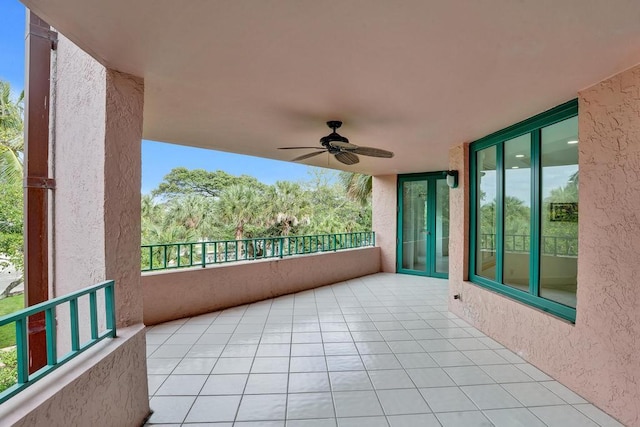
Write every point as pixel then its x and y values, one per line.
pixel 288 206
pixel 194 212
pixel 11 146
pixel 238 206
pixel 358 187
pixel 11 135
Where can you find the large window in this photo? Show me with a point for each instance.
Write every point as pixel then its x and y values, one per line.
pixel 524 211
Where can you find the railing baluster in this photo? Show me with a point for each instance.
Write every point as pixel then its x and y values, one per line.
pixel 110 307
pixel 75 328
pixel 50 326
pixel 22 350
pixel 165 256
pixel 93 312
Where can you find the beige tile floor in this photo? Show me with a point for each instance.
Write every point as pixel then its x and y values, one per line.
pixel 381 350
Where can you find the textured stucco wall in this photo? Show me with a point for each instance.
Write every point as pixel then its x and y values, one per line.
pixel 176 294
pixel 99 388
pixel 459 218
pixel 79 133
pixel 384 205
pixel 598 356
pixel 122 178
pixel 96 132
pixel 97 167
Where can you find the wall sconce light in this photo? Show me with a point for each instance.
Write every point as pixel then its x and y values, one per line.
pixel 452 179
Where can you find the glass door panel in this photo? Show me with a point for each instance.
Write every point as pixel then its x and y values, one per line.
pixel 442 227
pixel 414 225
pixel 423 225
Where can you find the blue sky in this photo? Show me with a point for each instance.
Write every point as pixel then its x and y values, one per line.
pixel 157 158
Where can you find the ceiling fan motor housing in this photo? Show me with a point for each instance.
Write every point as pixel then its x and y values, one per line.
pixel 333 137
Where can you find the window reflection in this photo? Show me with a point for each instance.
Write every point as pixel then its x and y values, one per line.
pixel 559 219
pixel 487 187
pixel 517 212
pixel 414 223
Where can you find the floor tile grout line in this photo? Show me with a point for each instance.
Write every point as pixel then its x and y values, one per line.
pixel 327 309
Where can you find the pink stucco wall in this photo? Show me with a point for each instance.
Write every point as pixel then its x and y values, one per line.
pixel 384 204
pixel 598 356
pixel 99 388
pixel 180 293
pixel 96 132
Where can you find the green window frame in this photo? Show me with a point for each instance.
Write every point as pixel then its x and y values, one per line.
pixel 532 126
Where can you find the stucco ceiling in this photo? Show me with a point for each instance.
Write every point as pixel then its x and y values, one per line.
pixel 414 76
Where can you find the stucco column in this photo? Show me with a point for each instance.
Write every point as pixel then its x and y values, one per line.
pixel 97 130
pixel 384 206
pixel 459 220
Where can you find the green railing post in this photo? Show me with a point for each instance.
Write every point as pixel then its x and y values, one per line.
pixel 50 325
pixel 110 306
pixel 22 350
pixel 281 244
pixel 203 255
pixel 75 328
pixel 93 315
pixel 164 262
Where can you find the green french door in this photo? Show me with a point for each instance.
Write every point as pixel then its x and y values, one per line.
pixel 423 225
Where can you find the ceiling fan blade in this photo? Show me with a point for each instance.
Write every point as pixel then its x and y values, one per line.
pixel 306 156
pixel 340 144
pixel 373 152
pixel 297 148
pixel 347 158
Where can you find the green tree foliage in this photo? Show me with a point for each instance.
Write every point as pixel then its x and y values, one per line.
pixel 231 207
pixel 182 181
pixel 11 146
pixel 240 206
pixel 289 208
pixel 8 368
pixel 11 238
pixel 358 186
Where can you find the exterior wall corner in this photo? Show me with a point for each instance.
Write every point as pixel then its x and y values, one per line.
pixel 385 203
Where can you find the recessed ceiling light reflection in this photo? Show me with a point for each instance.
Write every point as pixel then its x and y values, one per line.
pixel 515 167
pixel 519 156
pixel 573 141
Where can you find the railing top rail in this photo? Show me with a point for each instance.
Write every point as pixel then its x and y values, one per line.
pixel 34 309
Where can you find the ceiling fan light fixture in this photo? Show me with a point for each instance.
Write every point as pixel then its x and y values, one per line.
pixel 333 137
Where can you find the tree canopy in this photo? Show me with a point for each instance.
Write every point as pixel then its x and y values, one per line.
pixel 196 204
pixel 182 181
pixel 11 147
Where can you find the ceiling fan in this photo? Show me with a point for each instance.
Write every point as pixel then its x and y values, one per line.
pixel 340 147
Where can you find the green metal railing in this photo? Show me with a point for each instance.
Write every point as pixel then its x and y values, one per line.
pixel 550 245
pixel 190 254
pixel 20 319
